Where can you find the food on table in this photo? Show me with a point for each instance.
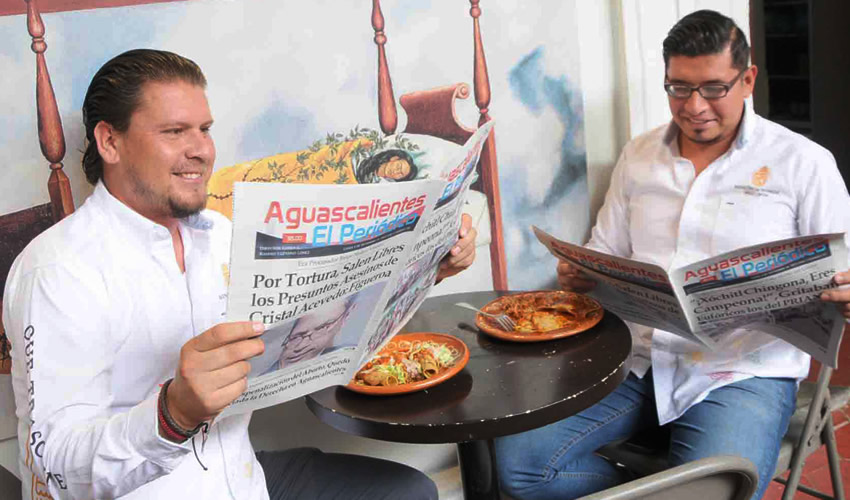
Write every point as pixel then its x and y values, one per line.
pixel 545 312
pixel 403 362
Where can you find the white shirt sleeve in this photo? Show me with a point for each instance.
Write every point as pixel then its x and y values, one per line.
pixel 610 234
pixel 81 442
pixel 823 202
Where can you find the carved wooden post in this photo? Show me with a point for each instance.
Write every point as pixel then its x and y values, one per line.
pixel 387 115
pixel 50 134
pixel 489 167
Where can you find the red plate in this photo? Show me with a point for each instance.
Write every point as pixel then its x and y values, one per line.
pixel 447 373
pixel 589 306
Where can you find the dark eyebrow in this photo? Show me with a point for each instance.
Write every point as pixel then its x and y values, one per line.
pixel 184 125
pixel 708 82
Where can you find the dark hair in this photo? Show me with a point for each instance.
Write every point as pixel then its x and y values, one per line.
pixel 116 89
pixel 707 32
pixel 367 171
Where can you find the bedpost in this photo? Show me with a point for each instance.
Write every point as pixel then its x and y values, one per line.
pixel 387 114
pixel 50 134
pixel 489 182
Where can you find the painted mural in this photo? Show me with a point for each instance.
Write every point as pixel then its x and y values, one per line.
pixel 290 80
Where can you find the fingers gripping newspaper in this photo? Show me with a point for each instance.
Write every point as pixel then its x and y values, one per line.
pixel 773 287
pixel 334 271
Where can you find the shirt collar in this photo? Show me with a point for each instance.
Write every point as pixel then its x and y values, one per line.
pixel 137 225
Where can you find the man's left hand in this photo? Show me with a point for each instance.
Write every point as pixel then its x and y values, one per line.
pixel 841 297
pixel 462 254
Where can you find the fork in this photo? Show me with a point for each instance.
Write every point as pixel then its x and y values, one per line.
pixel 503 320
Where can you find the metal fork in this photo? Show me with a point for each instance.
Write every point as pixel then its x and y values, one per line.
pixel 503 320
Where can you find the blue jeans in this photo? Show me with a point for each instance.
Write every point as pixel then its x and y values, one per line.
pixel 747 418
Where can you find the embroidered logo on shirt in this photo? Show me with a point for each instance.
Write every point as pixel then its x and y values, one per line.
pixel 757 182
pixel 225 271
pixel 760 177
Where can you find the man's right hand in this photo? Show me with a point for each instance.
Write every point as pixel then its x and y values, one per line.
pixel 573 279
pixel 213 371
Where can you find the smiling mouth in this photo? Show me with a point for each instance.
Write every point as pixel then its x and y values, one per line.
pixel 191 176
pixel 693 121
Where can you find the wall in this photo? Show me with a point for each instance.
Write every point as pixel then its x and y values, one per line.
pixel 645 25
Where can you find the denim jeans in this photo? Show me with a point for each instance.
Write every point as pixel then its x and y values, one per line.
pixel 747 418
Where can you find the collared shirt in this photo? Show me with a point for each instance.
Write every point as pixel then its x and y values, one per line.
pixel 97 310
pixel 770 184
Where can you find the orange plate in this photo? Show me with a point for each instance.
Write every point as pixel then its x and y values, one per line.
pixel 489 326
pixel 380 390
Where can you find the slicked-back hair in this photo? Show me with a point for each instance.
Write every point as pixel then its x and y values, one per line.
pixel 706 32
pixel 115 92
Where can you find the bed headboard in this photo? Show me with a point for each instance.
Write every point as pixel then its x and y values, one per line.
pixel 432 112
pixel 17 229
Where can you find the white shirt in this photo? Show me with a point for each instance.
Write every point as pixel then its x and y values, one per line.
pixel 97 310
pixel 657 211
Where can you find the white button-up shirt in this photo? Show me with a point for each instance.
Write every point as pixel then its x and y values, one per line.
pixel 770 184
pixel 97 310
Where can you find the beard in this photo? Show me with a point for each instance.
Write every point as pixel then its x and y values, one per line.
pixel 181 209
pixel 166 203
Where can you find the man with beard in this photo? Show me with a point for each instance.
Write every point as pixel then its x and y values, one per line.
pixel 717 178
pixel 115 318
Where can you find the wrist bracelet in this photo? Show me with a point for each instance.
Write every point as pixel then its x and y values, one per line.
pixel 167 432
pixel 173 430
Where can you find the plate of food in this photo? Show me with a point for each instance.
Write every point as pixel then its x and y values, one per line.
pixel 539 316
pixel 411 362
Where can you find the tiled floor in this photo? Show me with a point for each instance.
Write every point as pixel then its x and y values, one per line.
pixel 816 470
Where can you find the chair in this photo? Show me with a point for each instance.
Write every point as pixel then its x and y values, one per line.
pixel 713 478
pixel 810 427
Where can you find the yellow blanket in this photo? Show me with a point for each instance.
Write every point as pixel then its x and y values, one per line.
pixel 319 164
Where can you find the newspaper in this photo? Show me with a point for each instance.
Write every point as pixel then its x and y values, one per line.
pixel 773 287
pixel 334 271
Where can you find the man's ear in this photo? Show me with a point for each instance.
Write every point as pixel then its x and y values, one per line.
pixel 107 142
pixel 749 80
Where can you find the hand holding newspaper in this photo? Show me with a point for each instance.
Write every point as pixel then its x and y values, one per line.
pixel 334 271
pixel 774 287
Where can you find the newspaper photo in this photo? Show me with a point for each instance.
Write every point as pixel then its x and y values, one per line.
pixel 334 271
pixel 774 287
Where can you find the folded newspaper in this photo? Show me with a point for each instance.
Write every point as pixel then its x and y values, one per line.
pixel 334 271
pixel 773 287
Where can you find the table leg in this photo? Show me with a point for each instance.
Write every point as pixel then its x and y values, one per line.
pixel 478 470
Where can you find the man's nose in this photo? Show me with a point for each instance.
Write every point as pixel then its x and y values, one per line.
pixel 695 103
pixel 201 146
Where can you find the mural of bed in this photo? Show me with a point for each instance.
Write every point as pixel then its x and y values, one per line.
pixel 296 96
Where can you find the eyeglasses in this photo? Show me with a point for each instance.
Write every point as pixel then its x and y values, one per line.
pixel 707 91
pixel 319 331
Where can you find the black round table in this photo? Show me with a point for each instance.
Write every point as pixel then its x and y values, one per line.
pixel 505 388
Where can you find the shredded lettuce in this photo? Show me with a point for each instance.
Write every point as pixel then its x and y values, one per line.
pixel 393 369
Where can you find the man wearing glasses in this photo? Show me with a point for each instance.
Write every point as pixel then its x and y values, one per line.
pixel 717 178
pixel 314 334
